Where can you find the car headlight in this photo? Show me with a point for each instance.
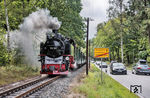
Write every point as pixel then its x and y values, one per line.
pixel 125 68
pixel 67 58
pixel 114 68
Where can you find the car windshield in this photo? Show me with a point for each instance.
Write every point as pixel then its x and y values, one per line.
pixel 143 62
pixel 104 63
pixel 98 61
pixel 113 62
pixel 117 64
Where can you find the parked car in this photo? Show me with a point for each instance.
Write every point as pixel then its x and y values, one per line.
pixel 103 65
pixel 118 68
pixel 141 67
pixel 98 62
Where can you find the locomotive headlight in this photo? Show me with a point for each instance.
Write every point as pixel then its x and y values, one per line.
pixel 52 35
pixel 67 58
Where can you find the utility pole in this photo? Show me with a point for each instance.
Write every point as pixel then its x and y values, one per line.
pixel 89 53
pixel 121 30
pixel 7 23
pixel 87 46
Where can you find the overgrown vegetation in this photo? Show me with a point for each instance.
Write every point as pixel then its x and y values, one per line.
pixel 67 12
pixel 93 88
pixel 133 23
pixel 10 74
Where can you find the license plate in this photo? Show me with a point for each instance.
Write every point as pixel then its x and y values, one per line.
pixel 119 71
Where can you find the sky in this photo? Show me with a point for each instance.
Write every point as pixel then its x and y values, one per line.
pixel 95 9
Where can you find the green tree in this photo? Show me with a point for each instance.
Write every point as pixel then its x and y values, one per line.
pixel 67 11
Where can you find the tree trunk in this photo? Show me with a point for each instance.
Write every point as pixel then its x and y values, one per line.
pixel 23 7
pixel 113 57
pixel 118 54
pixel 7 23
pixel 149 33
pixel 121 21
pixel 128 58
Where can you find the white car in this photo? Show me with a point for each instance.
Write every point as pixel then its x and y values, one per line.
pixel 98 62
pixel 103 65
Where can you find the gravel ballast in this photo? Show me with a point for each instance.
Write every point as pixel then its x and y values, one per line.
pixel 59 88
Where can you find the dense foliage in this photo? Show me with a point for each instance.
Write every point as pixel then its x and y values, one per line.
pixel 67 12
pixel 135 16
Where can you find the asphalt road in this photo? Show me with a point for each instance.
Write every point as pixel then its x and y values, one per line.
pixel 132 79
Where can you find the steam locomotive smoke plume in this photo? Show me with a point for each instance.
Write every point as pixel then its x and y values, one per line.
pixel 33 31
pixel 40 19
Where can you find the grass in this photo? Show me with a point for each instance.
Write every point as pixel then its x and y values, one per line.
pixel 92 86
pixel 10 74
pixel 129 67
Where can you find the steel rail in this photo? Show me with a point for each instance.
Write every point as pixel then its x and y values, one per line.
pixel 17 88
pixel 32 90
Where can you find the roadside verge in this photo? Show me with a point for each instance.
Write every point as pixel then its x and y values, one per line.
pixel 91 86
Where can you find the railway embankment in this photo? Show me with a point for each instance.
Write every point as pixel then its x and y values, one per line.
pixel 11 74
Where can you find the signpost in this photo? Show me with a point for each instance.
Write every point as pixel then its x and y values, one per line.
pixel 101 53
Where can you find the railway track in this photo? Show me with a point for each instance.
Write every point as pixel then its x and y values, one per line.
pixel 28 88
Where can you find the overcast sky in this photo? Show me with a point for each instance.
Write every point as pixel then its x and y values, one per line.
pixel 95 9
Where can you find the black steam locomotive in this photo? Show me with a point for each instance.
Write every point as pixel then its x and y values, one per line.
pixel 59 54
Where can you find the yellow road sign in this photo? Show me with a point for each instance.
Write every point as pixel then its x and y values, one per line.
pixel 101 52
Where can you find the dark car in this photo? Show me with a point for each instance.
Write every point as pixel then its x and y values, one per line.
pixel 118 68
pixel 112 63
pixel 103 65
pixel 141 67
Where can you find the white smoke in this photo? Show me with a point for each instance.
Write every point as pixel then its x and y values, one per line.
pixel 40 19
pixel 32 31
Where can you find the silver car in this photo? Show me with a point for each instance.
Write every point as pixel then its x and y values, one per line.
pixel 103 65
pixel 118 68
pixel 141 67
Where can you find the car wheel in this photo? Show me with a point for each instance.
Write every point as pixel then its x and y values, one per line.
pixel 136 73
pixel 132 72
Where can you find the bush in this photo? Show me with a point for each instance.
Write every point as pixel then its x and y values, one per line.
pixel 4 55
pixel 143 55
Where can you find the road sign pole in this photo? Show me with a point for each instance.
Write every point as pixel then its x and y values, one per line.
pixel 101 53
pixel 101 72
